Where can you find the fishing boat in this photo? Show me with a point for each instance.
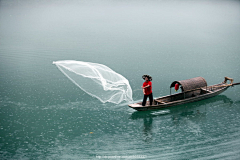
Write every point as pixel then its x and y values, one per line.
pixel 192 90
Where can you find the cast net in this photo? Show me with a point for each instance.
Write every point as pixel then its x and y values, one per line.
pixel 97 80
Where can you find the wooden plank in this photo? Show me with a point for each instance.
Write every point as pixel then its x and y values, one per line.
pixel 159 101
pixel 207 90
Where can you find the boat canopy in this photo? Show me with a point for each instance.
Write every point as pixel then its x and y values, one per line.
pixel 190 84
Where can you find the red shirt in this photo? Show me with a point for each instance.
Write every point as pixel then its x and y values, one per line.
pixel 148 90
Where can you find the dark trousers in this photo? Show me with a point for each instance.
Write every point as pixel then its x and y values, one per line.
pixel 145 99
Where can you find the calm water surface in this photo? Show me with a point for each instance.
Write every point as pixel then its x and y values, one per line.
pixel 43 115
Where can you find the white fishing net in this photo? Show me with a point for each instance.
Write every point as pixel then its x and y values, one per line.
pixel 97 80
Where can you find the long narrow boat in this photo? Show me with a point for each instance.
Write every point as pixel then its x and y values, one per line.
pixel 194 89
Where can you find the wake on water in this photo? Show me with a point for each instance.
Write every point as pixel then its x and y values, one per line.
pixel 97 80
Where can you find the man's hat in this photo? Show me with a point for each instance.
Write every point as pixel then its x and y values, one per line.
pixel 149 77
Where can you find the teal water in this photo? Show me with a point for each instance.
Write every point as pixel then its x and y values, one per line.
pixel 43 115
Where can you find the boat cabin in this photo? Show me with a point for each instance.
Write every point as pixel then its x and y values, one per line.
pixel 189 88
pixel 190 84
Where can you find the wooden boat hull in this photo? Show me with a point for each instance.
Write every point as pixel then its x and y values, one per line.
pixel 209 92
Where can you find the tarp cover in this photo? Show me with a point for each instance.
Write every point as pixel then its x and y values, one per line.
pixel 190 84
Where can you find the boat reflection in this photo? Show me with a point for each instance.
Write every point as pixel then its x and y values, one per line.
pixel 147 131
pixel 194 112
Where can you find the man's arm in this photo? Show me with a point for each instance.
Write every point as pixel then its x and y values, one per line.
pixel 145 86
pixel 143 91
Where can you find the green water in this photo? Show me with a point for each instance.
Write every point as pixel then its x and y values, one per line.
pixel 43 115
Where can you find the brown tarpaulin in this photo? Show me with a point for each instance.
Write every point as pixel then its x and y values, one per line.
pixel 190 84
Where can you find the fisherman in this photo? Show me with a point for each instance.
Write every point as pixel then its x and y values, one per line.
pixel 147 89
